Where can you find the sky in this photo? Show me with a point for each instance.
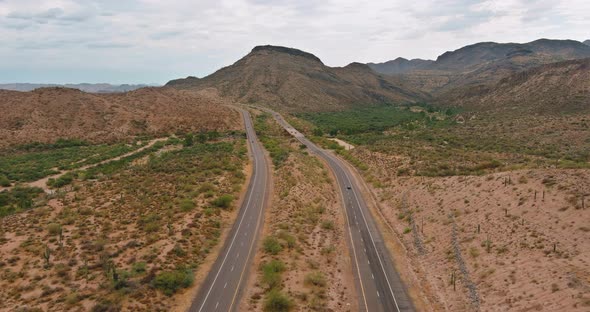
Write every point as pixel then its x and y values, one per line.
pixel 151 41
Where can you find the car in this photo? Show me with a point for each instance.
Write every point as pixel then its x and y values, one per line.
pixel 348 187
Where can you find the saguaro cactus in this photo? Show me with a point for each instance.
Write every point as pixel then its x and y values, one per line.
pixel 47 255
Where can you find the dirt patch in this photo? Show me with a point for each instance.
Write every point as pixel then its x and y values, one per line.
pixel 347 146
pixel 510 241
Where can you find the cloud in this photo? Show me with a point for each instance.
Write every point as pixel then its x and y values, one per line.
pixel 185 37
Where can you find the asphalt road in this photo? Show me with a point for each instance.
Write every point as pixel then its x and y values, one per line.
pixel 379 285
pixel 224 283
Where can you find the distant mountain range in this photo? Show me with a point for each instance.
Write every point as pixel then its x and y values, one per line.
pixel 587 42
pixel 480 63
pixel 86 87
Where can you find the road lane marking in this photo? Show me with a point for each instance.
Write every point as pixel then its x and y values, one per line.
pixel 256 230
pixel 374 246
pixel 338 175
pixel 254 179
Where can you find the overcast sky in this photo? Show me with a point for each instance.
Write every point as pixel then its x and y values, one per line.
pixel 153 41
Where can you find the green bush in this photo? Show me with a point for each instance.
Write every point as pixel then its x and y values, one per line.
pixel 276 301
pixel 188 139
pixel 17 199
pixel 272 245
pixel 169 282
pixel 61 181
pixel 223 201
pixel 138 268
pixel 4 181
pixel 271 273
pixel 187 205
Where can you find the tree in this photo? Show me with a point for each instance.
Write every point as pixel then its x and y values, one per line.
pixel 317 132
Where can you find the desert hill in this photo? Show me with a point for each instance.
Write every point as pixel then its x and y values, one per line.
pixel 587 42
pixel 483 63
pixel 295 80
pixel 47 114
pixel 86 87
pixel 557 88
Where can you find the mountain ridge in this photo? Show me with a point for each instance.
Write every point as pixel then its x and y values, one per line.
pixel 295 80
pixel 86 87
pixel 485 63
pixel 555 88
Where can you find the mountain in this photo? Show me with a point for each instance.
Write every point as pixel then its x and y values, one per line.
pixel 557 88
pixel 487 63
pixel 399 66
pixel 587 42
pixel 295 80
pixel 86 87
pixel 46 114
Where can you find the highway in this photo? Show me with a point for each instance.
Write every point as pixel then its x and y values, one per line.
pixel 225 281
pixel 378 283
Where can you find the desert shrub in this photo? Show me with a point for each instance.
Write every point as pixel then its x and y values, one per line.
pixel 169 282
pixel 272 245
pixel 17 199
pixel 276 301
pixel 138 268
pixel 289 239
pixel 106 306
pixel 316 279
pixel 223 201
pixel 206 187
pixel 187 205
pixel 150 222
pixel 53 228
pixel 61 181
pixel 189 139
pixel 4 181
pixel 271 273
pixel 327 225
pixel 407 230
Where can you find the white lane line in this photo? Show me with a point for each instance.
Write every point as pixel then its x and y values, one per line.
pixel 224 286
pixel 232 268
pixel 334 167
pixel 256 230
pixel 254 179
pixel 374 245
pixel 216 305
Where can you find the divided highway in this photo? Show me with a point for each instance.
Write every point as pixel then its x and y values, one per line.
pixel 222 287
pixel 380 287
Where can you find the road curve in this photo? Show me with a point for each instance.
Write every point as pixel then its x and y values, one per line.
pixel 378 283
pixel 224 283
